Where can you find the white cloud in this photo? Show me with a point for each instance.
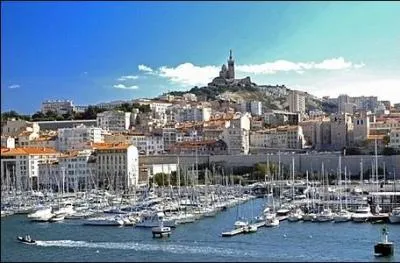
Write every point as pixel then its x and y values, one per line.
pixel 122 86
pixel 14 86
pixel 187 74
pixel 300 67
pixel 145 68
pixel 124 78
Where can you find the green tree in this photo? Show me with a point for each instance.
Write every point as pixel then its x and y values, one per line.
pixel 386 139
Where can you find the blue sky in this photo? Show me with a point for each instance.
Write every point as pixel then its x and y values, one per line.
pixel 93 52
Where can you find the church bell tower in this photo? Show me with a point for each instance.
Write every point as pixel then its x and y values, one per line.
pixel 231 66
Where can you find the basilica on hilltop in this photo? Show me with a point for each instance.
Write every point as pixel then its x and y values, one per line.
pixel 227 76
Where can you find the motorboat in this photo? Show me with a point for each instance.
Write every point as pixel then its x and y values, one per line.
pixel 282 214
pixel 362 214
pixel 57 218
pixel 394 216
pixel 240 224
pixel 161 230
pixel 249 229
pixel 41 215
pixel 26 240
pixel 271 222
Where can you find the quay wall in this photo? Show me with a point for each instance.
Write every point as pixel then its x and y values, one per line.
pixel 303 162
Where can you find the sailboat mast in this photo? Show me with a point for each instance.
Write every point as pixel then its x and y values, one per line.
pixel 293 178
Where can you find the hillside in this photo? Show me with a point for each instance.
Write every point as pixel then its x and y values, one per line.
pixel 272 97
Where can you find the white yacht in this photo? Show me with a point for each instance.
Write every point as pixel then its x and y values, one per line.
pixel 66 210
pixel 362 214
pixel 57 218
pixel 394 216
pixel 41 215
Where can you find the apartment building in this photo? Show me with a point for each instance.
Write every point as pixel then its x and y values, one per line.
pixel 117 165
pixel 297 101
pixel 60 107
pixel 395 138
pixel 114 120
pixel 20 166
pixel 78 138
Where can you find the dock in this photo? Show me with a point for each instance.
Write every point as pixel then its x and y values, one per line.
pixel 240 230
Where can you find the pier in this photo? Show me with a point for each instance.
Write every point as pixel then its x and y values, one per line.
pixel 240 230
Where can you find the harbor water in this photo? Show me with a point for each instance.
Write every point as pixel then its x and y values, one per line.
pixel 69 240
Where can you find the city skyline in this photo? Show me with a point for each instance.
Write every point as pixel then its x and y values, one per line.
pixel 93 52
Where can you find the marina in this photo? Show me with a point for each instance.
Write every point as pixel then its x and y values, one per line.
pixel 199 241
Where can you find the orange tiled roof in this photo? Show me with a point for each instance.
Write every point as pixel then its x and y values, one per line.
pixel 377 137
pixel 27 151
pixel 109 146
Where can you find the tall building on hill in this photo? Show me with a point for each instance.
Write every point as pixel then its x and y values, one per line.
pixel 228 73
pixel 297 101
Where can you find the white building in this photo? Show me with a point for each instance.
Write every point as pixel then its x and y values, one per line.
pixel 60 107
pixel 20 166
pixel 194 114
pixel 73 170
pixel 236 136
pixel 14 127
pixel 78 138
pixel 117 165
pixel 395 138
pixel 114 120
pixel 189 97
pixel 148 144
pixel 287 137
pixel 253 107
pixel 7 142
pixel 169 137
pixel 297 101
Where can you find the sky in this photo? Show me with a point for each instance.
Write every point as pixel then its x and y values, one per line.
pixel 93 52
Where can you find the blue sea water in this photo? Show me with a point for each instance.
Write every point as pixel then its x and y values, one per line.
pixel 199 241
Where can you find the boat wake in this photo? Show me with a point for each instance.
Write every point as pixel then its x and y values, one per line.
pixel 165 247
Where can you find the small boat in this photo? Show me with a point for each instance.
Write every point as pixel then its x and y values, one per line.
pixel 394 216
pixel 249 229
pixel 26 240
pixel 161 231
pixel 385 247
pixel 57 218
pixel 271 222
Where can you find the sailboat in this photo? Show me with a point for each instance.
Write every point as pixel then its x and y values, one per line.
pixel 342 215
pixel 309 215
pixel 326 214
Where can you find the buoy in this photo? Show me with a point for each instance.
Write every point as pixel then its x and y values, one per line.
pixel 310 236
pixel 284 235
